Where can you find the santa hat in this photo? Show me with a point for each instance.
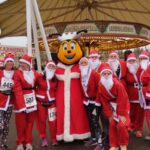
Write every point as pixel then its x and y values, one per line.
pixel 144 54
pixel 50 62
pixel 104 67
pixel 94 53
pixel 131 57
pixel 113 53
pixel 83 58
pixel 26 59
pixel 8 57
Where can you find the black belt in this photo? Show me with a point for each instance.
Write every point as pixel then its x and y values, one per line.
pixel 93 98
pixel 46 104
pixel 29 88
pixel 6 92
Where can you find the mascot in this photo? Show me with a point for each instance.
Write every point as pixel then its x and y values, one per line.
pixel 72 121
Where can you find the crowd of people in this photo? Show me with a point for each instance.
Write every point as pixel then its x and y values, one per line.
pixel 116 97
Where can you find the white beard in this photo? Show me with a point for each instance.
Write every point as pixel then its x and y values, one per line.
pixel 133 67
pixel 8 74
pixel 84 70
pixel 94 63
pixel 114 63
pixel 49 73
pixel 107 83
pixel 29 76
pixel 144 64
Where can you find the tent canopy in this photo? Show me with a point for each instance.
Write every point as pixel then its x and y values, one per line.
pixel 13 15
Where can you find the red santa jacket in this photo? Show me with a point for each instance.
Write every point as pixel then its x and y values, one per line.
pixel 145 82
pixel 92 85
pixel 132 82
pixel 118 95
pixel 5 84
pixel 21 89
pixel 46 89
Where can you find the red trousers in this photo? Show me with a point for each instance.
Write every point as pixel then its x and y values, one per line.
pixel 24 126
pixel 41 117
pixel 147 115
pixel 136 116
pixel 118 134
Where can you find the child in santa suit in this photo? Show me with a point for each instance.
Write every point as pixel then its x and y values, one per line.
pixel 89 81
pixel 144 91
pixel 25 102
pixel 118 66
pixel 6 98
pixel 133 85
pixel 45 94
pixel 115 104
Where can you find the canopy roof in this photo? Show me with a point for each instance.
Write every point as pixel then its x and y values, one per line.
pixel 13 16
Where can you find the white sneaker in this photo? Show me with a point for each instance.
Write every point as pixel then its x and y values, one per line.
pixel 147 137
pixel 29 147
pixel 20 147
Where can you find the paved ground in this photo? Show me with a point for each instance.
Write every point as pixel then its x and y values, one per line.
pixel 134 144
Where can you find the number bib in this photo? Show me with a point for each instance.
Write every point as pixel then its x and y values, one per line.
pixel 6 84
pixel 52 114
pixel 30 100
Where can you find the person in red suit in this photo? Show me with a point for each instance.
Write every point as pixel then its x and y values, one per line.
pixel 90 81
pixel 25 102
pixel 45 94
pixel 118 66
pixel 144 91
pixel 115 105
pixel 94 60
pixel 132 81
pixel 6 98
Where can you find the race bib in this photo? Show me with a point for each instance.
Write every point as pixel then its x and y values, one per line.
pixel 30 100
pixel 52 114
pixel 6 84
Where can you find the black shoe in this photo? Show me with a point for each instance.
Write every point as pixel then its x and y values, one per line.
pixel 5 147
pixel 90 143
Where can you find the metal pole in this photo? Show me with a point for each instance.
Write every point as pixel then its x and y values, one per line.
pixel 29 33
pixel 39 20
pixel 37 51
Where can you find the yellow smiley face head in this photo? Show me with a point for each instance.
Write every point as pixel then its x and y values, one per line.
pixel 69 52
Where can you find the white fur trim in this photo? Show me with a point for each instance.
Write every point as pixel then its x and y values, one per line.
pixel 143 56
pixel 75 136
pixel 7 104
pixel 24 61
pixel 106 70
pixel 92 55
pixel 131 58
pixel 40 96
pixel 50 63
pixel 20 110
pixel 148 94
pixel 8 59
pixel 135 101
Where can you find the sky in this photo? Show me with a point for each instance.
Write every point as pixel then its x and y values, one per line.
pixel 14 41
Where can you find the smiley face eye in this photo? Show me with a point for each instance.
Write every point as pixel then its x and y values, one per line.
pixel 72 45
pixel 65 47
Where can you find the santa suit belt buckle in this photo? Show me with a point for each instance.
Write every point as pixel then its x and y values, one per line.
pixel 46 104
pixel 136 85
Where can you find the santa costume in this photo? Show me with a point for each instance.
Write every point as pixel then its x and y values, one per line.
pixel 118 66
pixel 6 98
pixel 94 60
pixel 90 81
pixel 115 105
pixel 144 91
pixel 133 85
pixel 25 102
pixel 45 95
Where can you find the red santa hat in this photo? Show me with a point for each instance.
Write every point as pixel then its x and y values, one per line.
pixel 9 57
pixel 113 53
pixel 94 53
pixel 50 62
pixel 144 54
pixel 131 57
pixel 104 67
pixel 26 59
